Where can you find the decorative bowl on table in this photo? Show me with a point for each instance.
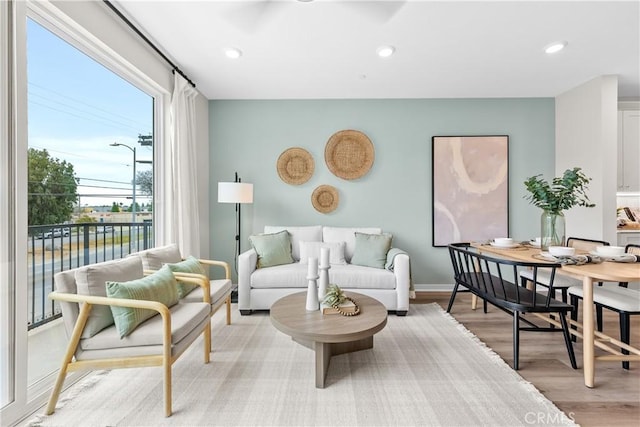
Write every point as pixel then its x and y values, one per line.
pixel 610 250
pixel 562 251
pixel 503 242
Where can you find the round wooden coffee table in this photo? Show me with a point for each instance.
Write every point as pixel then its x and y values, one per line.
pixel 328 334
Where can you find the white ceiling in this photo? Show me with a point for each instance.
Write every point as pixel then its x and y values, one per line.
pixel 448 49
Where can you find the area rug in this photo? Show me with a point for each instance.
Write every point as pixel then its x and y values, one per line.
pixel 425 369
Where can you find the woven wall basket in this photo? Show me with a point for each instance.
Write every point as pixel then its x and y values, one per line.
pixel 295 166
pixel 349 154
pixel 325 198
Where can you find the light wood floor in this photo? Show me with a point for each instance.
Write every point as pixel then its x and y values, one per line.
pixel 615 399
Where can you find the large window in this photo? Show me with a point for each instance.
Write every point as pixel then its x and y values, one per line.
pixel 90 152
pixel 78 140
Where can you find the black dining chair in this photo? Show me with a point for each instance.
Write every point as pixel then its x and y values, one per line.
pixel 495 281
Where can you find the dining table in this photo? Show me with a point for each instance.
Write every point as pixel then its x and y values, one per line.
pixel 608 272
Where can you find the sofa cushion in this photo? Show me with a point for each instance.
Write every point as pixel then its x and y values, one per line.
pixel 346 276
pixel 312 233
pixel 347 235
pixel 272 249
pixel 358 277
pixel 91 280
pixel 312 250
pixel 160 286
pixel 371 249
pixel 154 258
pixel 189 265
pixel 281 276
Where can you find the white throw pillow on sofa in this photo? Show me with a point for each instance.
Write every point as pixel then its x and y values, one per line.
pixel 312 250
pixel 307 233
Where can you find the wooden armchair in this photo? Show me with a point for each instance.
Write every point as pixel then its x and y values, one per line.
pixel 94 343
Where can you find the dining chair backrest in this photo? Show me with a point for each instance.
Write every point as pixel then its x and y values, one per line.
pixel 496 279
pixel 587 245
pixel 632 248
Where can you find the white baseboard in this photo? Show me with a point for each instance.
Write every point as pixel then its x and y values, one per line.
pixel 434 287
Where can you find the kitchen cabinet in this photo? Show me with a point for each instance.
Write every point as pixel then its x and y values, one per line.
pixel 628 150
pixel 628 237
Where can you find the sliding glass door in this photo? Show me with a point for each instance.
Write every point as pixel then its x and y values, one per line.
pixel 78 128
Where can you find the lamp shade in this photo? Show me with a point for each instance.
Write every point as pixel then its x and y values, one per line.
pixel 235 192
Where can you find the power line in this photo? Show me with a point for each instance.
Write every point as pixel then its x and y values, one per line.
pixel 59 94
pixel 75 115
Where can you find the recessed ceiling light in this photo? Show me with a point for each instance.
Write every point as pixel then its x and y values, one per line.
pixel 385 51
pixel 555 47
pixel 233 52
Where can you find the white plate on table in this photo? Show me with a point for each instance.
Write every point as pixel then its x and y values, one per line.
pixel 533 244
pixel 508 246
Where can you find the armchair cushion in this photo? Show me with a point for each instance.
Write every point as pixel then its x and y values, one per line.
pixel 91 280
pixel 371 249
pixel 190 265
pixel 273 249
pixel 154 258
pixel 146 338
pixel 312 250
pixel 160 286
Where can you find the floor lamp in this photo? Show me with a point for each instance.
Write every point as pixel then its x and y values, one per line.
pixel 235 192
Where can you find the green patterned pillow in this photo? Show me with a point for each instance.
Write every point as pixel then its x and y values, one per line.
pixel 160 286
pixel 371 249
pixel 272 249
pixel 189 265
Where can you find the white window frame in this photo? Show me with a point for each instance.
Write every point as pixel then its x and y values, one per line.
pixel 13 188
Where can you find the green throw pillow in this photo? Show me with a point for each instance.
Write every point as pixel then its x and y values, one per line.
pixel 272 249
pixel 189 265
pixel 159 286
pixel 371 249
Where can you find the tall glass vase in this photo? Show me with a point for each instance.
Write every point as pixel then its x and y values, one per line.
pixel 552 229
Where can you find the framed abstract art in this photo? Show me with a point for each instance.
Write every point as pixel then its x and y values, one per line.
pixel 470 188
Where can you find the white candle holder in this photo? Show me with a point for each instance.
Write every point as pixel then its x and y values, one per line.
pixel 323 283
pixel 313 303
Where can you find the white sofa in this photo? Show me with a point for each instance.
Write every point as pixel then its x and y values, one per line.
pixel 259 288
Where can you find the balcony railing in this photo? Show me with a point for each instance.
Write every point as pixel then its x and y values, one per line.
pixel 60 247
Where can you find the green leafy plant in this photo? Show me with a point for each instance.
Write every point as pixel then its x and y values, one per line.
pixel 334 296
pixel 562 193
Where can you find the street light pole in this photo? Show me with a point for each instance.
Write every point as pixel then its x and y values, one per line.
pixel 133 206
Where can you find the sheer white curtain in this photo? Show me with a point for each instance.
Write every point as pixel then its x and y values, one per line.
pixel 180 195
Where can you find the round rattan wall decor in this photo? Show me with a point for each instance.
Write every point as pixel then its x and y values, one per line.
pixel 295 166
pixel 325 198
pixel 349 154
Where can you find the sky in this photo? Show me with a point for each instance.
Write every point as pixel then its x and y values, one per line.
pixel 76 108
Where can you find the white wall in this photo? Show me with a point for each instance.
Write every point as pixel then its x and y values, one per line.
pixel 586 136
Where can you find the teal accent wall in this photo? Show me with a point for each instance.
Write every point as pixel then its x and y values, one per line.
pixel 249 136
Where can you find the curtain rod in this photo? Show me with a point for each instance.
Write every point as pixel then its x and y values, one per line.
pixel 143 37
